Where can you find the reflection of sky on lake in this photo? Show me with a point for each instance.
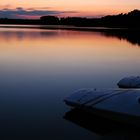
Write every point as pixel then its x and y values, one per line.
pixel 39 68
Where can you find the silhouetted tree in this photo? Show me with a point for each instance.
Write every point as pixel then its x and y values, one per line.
pixel 50 20
pixel 130 20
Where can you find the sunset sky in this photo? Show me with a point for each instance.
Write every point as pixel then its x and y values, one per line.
pixel 86 8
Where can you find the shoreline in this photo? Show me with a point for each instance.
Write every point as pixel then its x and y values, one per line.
pixel 65 27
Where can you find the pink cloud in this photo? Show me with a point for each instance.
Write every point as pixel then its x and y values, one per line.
pixel 28 16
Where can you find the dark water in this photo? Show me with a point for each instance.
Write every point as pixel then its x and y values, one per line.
pixel 39 68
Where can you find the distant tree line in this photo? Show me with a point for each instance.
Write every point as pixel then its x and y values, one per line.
pixel 132 19
pixel 20 21
pixel 129 20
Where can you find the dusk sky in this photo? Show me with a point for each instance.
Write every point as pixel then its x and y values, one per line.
pixel 86 8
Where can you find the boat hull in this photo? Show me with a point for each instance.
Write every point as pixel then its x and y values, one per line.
pixel 119 105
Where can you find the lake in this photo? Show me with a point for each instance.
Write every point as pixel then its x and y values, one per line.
pixel 40 68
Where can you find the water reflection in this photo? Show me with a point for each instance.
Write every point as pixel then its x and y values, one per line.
pixel 39 68
pixel 132 36
pixel 129 35
pixel 30 34
pixel 107 129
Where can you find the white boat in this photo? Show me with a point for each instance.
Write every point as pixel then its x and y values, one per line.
pixel 129 82
pixel 116 104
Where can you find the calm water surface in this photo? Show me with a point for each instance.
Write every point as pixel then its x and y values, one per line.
pixel 39 68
